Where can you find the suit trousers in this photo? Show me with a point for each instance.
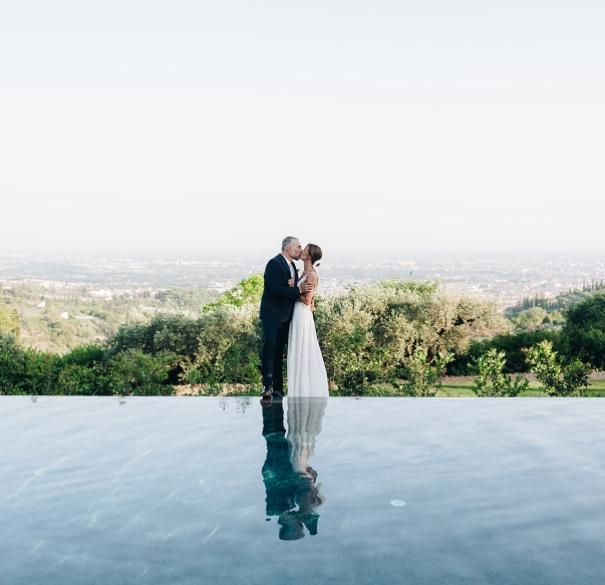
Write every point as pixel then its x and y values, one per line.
pixel 275 337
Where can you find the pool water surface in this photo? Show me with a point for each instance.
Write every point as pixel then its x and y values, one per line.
pixel 372 490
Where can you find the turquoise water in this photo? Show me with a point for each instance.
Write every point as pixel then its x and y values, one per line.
pixel 380 491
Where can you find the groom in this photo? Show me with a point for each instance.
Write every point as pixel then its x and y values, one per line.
pixel 276 308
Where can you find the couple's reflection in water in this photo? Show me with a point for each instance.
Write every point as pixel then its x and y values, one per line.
pixel 292 491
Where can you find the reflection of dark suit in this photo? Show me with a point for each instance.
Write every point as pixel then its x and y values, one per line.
pixel 276 308
pixel 285 488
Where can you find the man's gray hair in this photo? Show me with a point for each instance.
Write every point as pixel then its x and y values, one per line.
pixel 287 241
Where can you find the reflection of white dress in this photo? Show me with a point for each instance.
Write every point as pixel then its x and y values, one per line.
pixel 307 376
pixel 304 424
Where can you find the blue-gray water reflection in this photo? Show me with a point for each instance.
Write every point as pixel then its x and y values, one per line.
pixel 175 490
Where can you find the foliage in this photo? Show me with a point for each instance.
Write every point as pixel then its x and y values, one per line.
pixel 58 318
pixel 583 334
pixel 344 327
pixel 133 372
pixel 164 333
pixel 557 378
pixel 9 321
pixel 370 336
pixel 85 356
pixel 512 344
pixel 370 333
pixel 75 379
pixel 12 366
pixel 537 318
pixel 424 373
pixel 248 291
pixel 26 371
pixel 228 347
pixel 41 371
pixel 491 379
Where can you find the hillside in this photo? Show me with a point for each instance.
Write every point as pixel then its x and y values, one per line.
pixel 57 317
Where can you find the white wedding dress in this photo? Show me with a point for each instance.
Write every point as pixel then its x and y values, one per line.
pixel 307 376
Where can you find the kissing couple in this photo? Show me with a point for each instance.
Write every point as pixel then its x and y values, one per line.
pixel 286 314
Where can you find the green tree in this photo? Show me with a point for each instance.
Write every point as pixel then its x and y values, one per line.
pixel 584 331
pixel 247 292
pixel 12 366
pixel 345 327
pixel 531 319
pixel 9 321
pixel 512 344
pixel 369 333
pixel 26 371
pixel 556 377
pixel 424 373
pixel 491 379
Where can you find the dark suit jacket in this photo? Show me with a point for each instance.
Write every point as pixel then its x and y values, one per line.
pixel 278 297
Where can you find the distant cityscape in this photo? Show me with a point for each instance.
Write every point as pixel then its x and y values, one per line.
pixel 504 279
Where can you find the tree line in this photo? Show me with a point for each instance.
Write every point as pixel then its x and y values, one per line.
pixel 407 334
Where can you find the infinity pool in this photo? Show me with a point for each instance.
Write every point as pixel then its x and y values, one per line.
pixel 378 491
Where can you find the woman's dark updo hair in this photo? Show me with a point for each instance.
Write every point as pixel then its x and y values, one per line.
pixel 314 253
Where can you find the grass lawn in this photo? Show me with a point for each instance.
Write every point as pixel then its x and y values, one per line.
pixel 452 387
pixel 596 389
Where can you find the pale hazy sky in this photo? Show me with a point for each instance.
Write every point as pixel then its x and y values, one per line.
pixel 197 126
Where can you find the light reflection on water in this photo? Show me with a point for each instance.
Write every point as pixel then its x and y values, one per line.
pixel 196 490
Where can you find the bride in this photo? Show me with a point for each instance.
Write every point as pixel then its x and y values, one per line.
pixel 306 370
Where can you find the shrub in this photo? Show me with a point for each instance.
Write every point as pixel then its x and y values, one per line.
pixel 12 366
pixel 85 380
pixel 491 379
pixel 512 344
pixel 133 372
pixel 164 333
pixel 41 371
pixel 228 347
pixel 557 378
pixel 85 355
pixel 424 373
